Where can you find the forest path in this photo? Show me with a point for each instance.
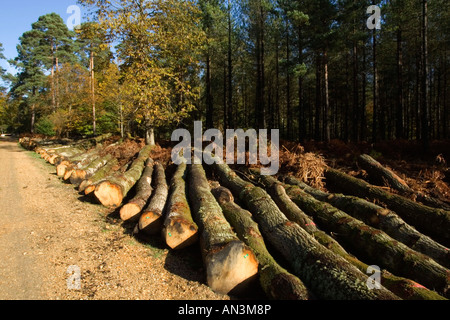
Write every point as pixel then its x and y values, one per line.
pixel 49 234
pixel 20 264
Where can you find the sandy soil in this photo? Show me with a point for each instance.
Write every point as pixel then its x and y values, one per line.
pixel 49 235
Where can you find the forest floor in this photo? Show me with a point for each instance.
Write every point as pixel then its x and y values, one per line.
pixel 47 227
pixel 425 172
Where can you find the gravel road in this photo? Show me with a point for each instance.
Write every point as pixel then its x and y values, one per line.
pixel 56 245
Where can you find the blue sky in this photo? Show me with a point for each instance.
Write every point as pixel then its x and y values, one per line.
pixel 16 17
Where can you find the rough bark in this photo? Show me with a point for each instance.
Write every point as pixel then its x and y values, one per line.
pixel 35 144
pixel 39 143
pixel 151 219
pixel 380 218
pixel 80 161
pixel 179 229
pixel 88 185
pixel 57 155
pixel 73 148
pixel 373 244
pixel 431 221
pixel 111 193
pixel 402 287
pixel 133 208
pixel 277 282
pixel 229 263
pixel 87 171
pixel 381 175
pixel 328 275
pixel 83 166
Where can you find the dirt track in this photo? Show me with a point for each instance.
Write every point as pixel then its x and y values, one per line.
pixel 46 227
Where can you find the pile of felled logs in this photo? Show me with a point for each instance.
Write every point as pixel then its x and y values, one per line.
pixel 328 242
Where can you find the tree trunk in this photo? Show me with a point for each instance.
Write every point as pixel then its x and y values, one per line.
pixel 179 229
pixel 133 208
pixel 404 288
pixel 260 111
pixel 121 126
pixel 70 165
pixel 57 79
pixel 277 282
pixel 301 108
pixel 52 83
pixel 209 96
pixel 87 171
pixel 424 103
pixel 375 132
pixel 150 136
pixel 92 79
pixel 229 263
pixel 317 133
pixel 230 121
pixel 289 113
pixel 151 219
pixel 88 185
pixel 373 244
pixel 326 111
pixel 62 154
pixel 111 193
pixel 363 119
pixel 380 218
pixel 380 175
pixel 328 276
pixel 399 108
pixel 79 162
pixel 431 221
pixel 33 117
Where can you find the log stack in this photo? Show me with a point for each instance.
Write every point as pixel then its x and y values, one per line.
pixel 114 189
pixel 298 242
pixel 229 262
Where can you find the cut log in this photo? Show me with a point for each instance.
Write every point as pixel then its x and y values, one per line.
pixel 133 208
pixel 79 175
pixel 229 263
pixel 380 218
pixel 328 275
pixel 179 229
pixel 36 144
pixel 88 186
pixel 90 169
pixel 61 168
pixel 277 282
pixel 402 287
pixel 430 221
pixel 374 245
pixel 295 214
pixel 80 161
pixel 59 154
pixel 110 193
pixel 380 175
pixel 151 220
pixel 89 143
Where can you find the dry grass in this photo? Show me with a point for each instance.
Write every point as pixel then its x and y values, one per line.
pixel 307 166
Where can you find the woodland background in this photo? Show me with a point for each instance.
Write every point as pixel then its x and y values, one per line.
pixel 311 68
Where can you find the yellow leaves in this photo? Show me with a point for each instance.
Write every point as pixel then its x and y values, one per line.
pixel 160 40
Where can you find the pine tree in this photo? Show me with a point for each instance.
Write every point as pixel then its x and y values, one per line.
pixel 30 81
pixel 55 46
